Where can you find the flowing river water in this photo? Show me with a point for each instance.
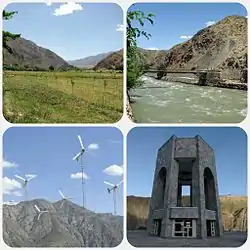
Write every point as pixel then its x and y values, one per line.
pixel 172 102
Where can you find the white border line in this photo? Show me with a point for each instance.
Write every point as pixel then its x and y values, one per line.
pixel 124 124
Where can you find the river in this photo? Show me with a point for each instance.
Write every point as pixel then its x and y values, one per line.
pixel 172 102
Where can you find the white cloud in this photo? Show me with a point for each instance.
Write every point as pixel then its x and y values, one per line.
pixel 114 170
pixel 93 146
pixel 186 37
pixel 10 203
pixel 67 8
pixel 120 27
pixel 48 3
pixel 209 23
pixel 7 164
pixel 16 193
pixel 79 175
pixel 10 186
pixel 152 48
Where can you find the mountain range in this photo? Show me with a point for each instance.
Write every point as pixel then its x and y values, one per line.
pixel 26 55
pixel 113 61
pixel 90 61
pixel 222 46
pixel 65 225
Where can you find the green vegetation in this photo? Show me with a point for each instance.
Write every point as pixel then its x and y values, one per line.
pixel 6 34
pixel 62 97
pixel 134 69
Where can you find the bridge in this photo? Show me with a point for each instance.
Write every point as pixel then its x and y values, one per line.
pixel 203 77
pixel 184 71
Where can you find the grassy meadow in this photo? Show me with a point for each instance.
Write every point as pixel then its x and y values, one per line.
pixel 62 97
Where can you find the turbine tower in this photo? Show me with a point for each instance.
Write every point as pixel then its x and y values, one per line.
pixel 113 188
pixel 25 181
pixel 79 157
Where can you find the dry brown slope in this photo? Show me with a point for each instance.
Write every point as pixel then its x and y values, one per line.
pixel 23 53
pixel 113 61
pixel 233 211
pixel 220 46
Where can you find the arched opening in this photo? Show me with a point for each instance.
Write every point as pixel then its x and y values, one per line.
pixel 209 189
pixel 161 186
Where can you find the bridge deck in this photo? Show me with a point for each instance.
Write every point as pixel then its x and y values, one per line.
pixel 179 72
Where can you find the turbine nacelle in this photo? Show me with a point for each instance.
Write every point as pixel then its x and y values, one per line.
pixel 113 188
pixel 26 179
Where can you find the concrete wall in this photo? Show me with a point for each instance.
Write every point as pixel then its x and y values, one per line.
pixel 184 212
pixel 182 148
pixel 185 148
pixel 210 215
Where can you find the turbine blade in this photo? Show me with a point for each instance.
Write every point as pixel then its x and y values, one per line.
pixel 19 177
pixel 80 140
pixel 38 216
pixel 110 184
pixel 30 176
pixel 119 183
pixel 61 194
pixel 37 208
pixel 76 156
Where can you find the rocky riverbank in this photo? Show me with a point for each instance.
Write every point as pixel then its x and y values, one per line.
pixel 129 111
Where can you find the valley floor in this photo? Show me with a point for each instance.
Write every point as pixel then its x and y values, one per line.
pixel 140 238
pixel 62 97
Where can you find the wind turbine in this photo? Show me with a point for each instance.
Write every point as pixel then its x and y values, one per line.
pixel 64 198
pixel 113 188
pixel 39 211
pixel 25 181
pixel 78 157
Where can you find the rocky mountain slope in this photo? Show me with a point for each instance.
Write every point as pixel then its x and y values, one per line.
pixel 90 61
pixel 113 61
pixel 68 225
pixel 233 212
pixel 222 46
pixel 26 54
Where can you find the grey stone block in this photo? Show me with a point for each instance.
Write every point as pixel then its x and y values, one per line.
pixel 185 161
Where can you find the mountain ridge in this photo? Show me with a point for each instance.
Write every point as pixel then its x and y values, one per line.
pixel 112 62
pixel 221 46
pixel 89 61
pixel 26 54
pixel 65 225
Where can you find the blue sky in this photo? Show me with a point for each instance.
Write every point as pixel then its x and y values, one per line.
pixel 48 152
pixel 89 30
pixel 229 144
pixel 176 20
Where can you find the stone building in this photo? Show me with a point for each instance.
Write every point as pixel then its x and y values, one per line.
pixel 185 162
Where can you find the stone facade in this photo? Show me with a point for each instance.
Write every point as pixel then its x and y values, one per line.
pixel 181 162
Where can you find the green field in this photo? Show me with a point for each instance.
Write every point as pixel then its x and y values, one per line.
pixel 62 97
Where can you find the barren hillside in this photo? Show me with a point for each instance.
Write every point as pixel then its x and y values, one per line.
pixel 233 211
